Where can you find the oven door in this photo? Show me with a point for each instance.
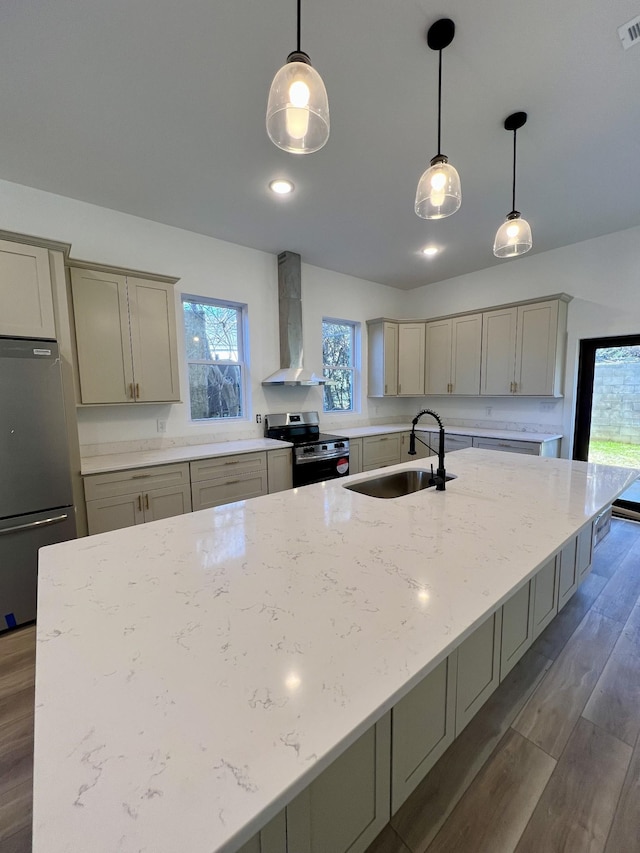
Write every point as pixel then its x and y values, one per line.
pixel 310 471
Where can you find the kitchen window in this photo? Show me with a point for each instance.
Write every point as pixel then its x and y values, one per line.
pixel 214 343
pixel 340 339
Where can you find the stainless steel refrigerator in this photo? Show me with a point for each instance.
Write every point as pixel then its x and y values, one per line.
pixel 36 502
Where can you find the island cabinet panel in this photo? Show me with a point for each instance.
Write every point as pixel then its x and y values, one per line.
pixel 26 299
pixel 383 358
pixel 567 572
pixel 478 669
pixel 355 455
pixel 279 470
pixel 545 596
pixel 378 451
pixel 584 551
pixel 422 727
pixel 126 338
pixel 517 628
pixel 411 359
pixel 498 351
pixel 271 839
pixel 347 806
pixel 224 479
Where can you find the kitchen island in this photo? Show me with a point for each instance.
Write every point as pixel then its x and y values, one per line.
pixel 195 675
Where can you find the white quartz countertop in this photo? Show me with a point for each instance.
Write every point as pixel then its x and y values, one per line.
pixel 194 674
pixel 164 456
pixel 427 425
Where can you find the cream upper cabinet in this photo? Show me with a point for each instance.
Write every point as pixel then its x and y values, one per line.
pixel 411 342
pixel 523 349
pixel 26 300
pixel 453 351
pixel 125 337
pixel 383 358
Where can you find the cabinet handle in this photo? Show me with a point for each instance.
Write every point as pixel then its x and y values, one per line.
pixel 146 501
pixel 515 387
pixel 235 462
pixel 231 482
pixel 511 387
pixel 131 394
pixel 139 476
pixel 140 503
pixel 137 390
pixel 385 389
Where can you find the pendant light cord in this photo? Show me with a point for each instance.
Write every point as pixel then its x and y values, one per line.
pixel 299 26
pixel 439 96
pixel 513 198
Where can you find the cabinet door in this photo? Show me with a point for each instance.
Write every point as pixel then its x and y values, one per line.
pixel 271 839
pixel 438 357
pixel 210 493
pixel 103 341
pixel 422 450
pixel 498 351
pixel 279 470
pixel 165 503
pixel 585 551
pixel 517 628
pixel 153 340
pixel 390 331
pixel 478 669
pixel 545 598
pixel 422 727
pixel 536 348
pixel 114 513
pixel 355 455
pixel 466 354
pixel 567 572
pixel 346 807
pixel 378 451
pixel 411 359
pixel 26 300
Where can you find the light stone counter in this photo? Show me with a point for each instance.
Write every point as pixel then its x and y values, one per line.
pixel 429 425
pixel 194 674
pixel 165 456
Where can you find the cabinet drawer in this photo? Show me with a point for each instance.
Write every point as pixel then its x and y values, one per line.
pixel 226 466
pixel 135 480
pixel 224 490
pixel 531 448
pixel 381 450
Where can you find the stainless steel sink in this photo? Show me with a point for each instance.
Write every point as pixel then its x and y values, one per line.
pixel 397 484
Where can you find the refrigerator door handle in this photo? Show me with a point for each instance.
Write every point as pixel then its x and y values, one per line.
pixel 55 519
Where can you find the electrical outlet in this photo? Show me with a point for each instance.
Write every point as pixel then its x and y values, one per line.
pixel 161 424
pixel 547 407
pixel 488 410
pixel 258 419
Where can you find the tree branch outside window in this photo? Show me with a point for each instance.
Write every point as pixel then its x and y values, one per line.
pixel 338 358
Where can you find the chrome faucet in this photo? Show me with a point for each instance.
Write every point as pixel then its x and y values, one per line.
pixel 441 474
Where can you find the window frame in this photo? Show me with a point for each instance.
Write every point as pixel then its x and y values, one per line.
pixel 243 355
pixel 354 367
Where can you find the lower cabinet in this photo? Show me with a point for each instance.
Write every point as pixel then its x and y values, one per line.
pixel 545 596
pixel 271 839
pixel 584 553
pixel 224 479
pixel 279 470
pixel 478 669
pixel 347 806
pixel 125 498
pixel 379 451
pixel 567 572
pixel 355 455
pixel 517 627
pixel 422 727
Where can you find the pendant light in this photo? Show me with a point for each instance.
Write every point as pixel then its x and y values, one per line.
pixel 514 235
pixel 298 108
pixel 439 194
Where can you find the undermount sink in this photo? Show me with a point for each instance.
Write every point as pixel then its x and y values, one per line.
pixel 397 484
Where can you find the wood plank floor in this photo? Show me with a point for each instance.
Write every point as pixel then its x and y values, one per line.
pixel 551 763
pixel 529 773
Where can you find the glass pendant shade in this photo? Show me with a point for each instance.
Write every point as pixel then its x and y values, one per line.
pixel 513 237
pixel 298 107
pixel 439 193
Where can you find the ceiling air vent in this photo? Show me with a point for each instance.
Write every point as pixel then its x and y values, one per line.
pixel 630 33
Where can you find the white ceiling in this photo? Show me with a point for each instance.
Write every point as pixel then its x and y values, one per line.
pixel 157 108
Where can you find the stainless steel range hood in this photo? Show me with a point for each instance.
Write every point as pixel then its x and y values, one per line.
pixel 291 370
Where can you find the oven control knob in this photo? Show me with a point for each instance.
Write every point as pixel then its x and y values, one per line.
pixel 308 450
pixel 339 444
pixel 324 446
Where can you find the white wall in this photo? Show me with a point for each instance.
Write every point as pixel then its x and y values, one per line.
pixel 602 275
pixel 206 267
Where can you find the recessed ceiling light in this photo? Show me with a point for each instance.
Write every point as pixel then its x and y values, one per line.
pixel 430 250
pixel 281 186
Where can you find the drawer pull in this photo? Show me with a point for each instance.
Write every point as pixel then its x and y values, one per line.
pixel 139 476
pixel 231 482
pixel 235 462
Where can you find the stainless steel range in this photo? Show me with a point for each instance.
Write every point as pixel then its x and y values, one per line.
pixel 317 456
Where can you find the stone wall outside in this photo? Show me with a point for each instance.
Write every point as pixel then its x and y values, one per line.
pixel 615 413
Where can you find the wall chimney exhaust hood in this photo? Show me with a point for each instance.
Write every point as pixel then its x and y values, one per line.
pixel 290 316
